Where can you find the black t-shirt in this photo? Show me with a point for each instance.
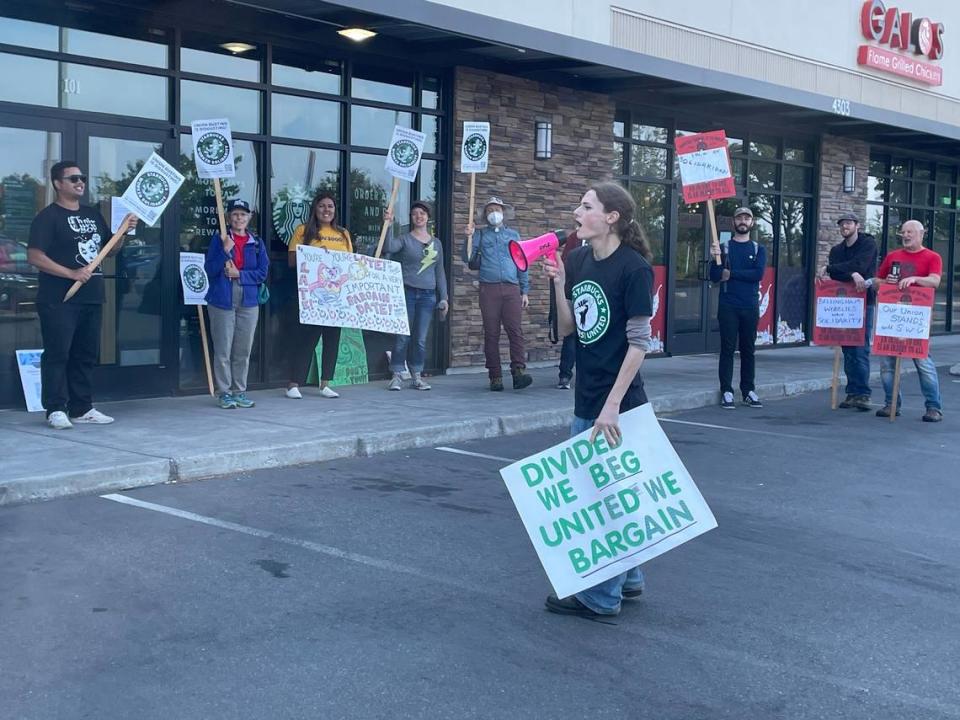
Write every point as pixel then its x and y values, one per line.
pixel 71 238
pixel 605 294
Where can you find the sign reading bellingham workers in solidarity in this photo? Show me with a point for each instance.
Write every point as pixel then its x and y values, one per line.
pixel 213 148
pixel 593 512
pixel 152 189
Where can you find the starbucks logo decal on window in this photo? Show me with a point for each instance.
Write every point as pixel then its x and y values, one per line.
pixel 152 189
pixel 591 311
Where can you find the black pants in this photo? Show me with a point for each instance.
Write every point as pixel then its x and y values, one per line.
pixel 738 331
pixel 305 346
pixel 71 346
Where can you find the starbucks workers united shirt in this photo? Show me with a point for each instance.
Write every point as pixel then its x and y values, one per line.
pixel 71 238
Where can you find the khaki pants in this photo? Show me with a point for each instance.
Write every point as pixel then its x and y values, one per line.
pixel 232 332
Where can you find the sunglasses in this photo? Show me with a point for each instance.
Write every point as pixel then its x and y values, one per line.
pixel 75 179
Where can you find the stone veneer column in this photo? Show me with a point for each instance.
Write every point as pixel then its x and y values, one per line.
pixel 543 192
pixel 835 152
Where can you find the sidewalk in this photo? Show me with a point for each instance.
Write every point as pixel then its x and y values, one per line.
pixel 186 438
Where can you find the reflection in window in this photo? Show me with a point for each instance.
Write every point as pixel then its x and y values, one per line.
pixel 429 179
pixel 651 199
pixel 764 214
pixel 430 95
pixel 373 127
pixel 877 188
pixel 382 85
pixel 29 34
pixel 220 64
pixel 765 148
pixel 763 175
pixel 798 151
pixel 112 47
pixel 28 80
pixel 298 174
pixel 648 133
pixel 873 222
pixel 940 243
pixel 306 118
pixel 797 179
pixel 323 77
pixel 648 161
pixel 85 87
pixel 791 272
pixel 205 100
pixel 619 152
pixel 430 126
pixel 370 186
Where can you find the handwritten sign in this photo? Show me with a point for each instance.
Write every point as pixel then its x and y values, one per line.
pixel 840 314
pixel 349 290
pixel 705 167
pixel 903 321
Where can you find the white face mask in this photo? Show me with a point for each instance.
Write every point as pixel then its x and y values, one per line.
pixel 495 218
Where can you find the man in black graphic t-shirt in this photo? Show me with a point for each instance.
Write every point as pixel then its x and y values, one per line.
pixel 65 238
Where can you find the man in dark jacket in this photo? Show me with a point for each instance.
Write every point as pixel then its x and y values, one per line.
pixel 855 260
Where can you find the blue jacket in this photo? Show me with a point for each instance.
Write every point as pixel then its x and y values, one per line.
pixel 256 263
pixel 746 262
pixel 496 265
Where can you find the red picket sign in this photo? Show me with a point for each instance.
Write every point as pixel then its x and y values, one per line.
pixel 705 167
pixel 839 314
pixel 903 321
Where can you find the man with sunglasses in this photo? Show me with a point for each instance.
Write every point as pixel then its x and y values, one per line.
pixel 65 238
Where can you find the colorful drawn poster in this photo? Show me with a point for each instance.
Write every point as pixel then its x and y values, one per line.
pixel 767 295
pixel 658 321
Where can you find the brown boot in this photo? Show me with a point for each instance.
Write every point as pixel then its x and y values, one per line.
pixel 520 379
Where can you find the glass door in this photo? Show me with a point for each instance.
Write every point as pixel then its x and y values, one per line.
pixel 138 344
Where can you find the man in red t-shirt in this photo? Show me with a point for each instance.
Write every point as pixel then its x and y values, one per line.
pixel 920 266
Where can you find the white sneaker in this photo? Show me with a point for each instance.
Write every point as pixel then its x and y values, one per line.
pixel 328 392
pixel 58 420
pixel 396 383
pixel 294 393
pixel 93 417
pixel 955 370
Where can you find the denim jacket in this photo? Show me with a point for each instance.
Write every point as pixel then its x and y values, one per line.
pixel 256 263
pixel 496 265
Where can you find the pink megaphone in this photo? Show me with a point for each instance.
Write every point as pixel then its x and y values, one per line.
pixel 525 252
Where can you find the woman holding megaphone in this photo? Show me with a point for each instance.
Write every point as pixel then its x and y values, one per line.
pixel 608 287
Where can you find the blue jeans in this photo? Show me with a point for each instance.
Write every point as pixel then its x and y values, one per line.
pixel 420 306
pixel 568 355
pixel 856 361
pixel 605 598
pixel 929 382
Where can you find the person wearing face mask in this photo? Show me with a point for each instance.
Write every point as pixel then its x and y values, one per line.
pixel 504 294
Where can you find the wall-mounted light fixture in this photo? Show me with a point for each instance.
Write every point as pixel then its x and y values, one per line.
pixel 356 34
pixel 544 140
pixel 849 178
pixel 238 47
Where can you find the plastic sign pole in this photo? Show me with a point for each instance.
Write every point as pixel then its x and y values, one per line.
pixel 393 199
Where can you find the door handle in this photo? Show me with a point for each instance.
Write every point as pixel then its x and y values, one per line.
pixel 704 271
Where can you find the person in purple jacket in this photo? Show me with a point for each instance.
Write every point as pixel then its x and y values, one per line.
pixel 236 266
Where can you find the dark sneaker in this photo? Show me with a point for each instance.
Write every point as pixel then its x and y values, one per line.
pixel 563 383
pixel 885 411
pixel 752 400
pixel 242 401
pixel 569 606
pixel 226 401
pixel 932 415
pixel 847 402
pixel 521 379
pixel 727 402
pixel 632 593
pixel 861 403
pixel 496 384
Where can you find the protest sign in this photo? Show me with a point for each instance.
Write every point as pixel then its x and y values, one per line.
pixel 152 189
pixel 704 167
pixel 475 149
pixel 403 156
pixel 118 211
pixel 349 290
pixel 903 321
pixel 28 362
pixel 593 512
pixel 213 148
pixel 839 314
pixel 193 278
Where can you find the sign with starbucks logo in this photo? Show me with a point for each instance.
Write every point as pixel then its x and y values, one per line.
pixel 152 189
pixel 475 150
pixel 591 311
pixel 213 148
pixel 193 278
pixel 403 157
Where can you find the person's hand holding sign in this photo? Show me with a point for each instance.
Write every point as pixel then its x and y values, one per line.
pixel 83 274
pixel 468 230
pixel 388 215
pixel 443 307
pixel 859 281
pixel 907 282
pixel 230 270
pixel 715 248
pixel 608 423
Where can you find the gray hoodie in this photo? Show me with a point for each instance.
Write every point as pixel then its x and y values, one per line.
pixel 422 264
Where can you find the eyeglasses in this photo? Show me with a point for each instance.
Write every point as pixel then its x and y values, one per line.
pixel 75 179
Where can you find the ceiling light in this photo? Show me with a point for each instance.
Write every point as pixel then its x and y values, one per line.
pixel 238 47
pixel 356 34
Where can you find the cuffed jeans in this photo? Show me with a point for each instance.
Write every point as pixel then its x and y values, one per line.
pixel 568 355
pixel 605 598
pixel 738 331
pixel 929 382
pixel 500 304
pixel 71 345
pixel 420 307
pixel 232 331
pixel 856 361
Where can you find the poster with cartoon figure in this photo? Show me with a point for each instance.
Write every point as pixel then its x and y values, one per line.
pixel 213 148
pixel 152 189
pixel 349 290
pixel 88 240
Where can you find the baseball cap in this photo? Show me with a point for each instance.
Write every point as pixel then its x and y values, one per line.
pixel 238 205
pixel 848 216
pixel 494 200
pixel 743 211
pixel 422 204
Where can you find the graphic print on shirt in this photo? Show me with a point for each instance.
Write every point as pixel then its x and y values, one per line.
pixel 591 311
pixel 88 239
pixel 429 257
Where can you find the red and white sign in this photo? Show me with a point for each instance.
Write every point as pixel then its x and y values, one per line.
pixel 907 38
pixel 658 322
pixel 768 294
pixel 903 321
pixel 705 167
pixel 839 314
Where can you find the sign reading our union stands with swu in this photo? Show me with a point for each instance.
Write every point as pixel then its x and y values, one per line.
pixel 902 40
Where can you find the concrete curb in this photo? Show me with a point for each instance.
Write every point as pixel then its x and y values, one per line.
pixel 85 482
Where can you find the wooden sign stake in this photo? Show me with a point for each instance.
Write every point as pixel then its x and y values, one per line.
pixel 473 196
pixel 206 350
pixel 96 261
pixel 835 382
pixel 896 390
pixel 383 230
pixel 714 238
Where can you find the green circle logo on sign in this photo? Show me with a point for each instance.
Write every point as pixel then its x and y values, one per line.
pixel 153 189
pixel 405 154
pixel 475 147
pixel 213 148
pixel 194 278
pixel 591 311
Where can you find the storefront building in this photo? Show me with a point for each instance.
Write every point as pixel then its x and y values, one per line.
pixel 586 93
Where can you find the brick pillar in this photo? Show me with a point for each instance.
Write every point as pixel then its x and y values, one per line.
pixel 835 152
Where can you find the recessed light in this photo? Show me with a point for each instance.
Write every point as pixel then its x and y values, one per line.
pixel 238 47
pixel 356 34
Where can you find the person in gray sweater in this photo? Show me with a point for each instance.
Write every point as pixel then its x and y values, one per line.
pixel 420 255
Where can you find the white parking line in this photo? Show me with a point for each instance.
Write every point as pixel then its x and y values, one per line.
pixel 739 429
pixel 474 454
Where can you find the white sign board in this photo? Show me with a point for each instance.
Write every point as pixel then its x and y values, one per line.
pixel 152 189
pixel 703 166
pixel 593 512
pixel 28 362
pixel 213 148
pixel 840 312
pixel 475 149
pixel 349 290
pixel 118 211
pixel 903 321
pixel 403 156
pixel 193 278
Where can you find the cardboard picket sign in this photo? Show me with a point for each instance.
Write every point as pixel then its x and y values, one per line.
pixel 839 314
pixel 903 321
pixel 193 278
pixel 475 148
pixel 704 163
pixel 152 189
pixel 404 153
pixel 593 512
pixel 213 148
